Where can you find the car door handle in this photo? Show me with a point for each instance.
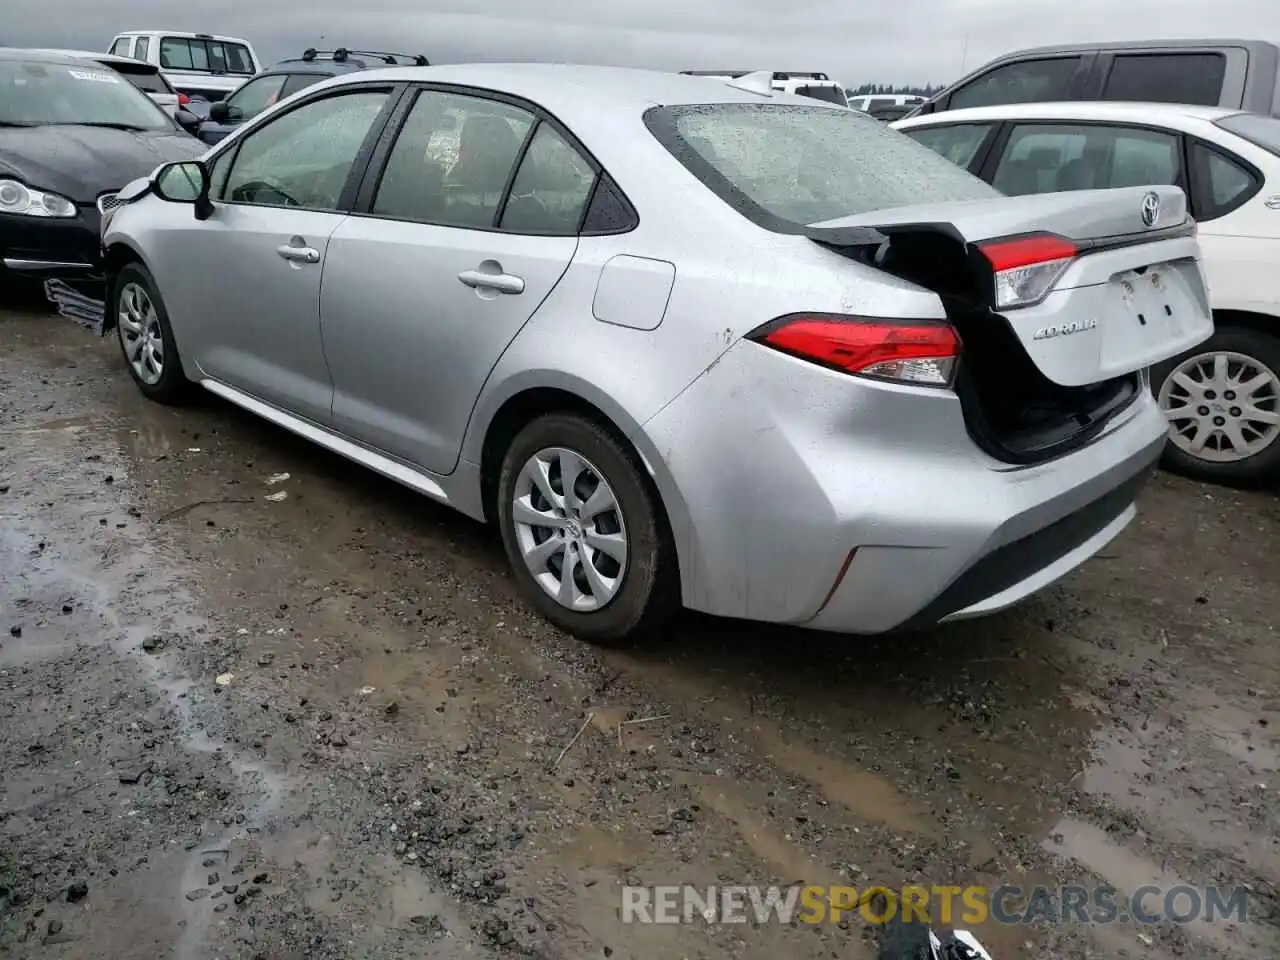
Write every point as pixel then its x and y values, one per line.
pixel 502 282
pixel 298 254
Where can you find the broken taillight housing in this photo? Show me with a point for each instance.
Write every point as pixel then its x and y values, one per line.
pixel 1027 267
pixel 917 352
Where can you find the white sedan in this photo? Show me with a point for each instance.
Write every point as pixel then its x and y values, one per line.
pixel 1222 399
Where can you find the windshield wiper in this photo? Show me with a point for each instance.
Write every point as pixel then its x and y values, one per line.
pixel 110 125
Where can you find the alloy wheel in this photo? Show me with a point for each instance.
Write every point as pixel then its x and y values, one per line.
pixel 1222 407
pixel 570 529
pixel 140 335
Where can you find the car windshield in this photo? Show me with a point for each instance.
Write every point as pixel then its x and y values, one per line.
pixel 37 93
pixel 785 165
pixel 1260 130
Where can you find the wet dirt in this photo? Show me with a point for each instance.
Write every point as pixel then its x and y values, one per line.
pixel 234 724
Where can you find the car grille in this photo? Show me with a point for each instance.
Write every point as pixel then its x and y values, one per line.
pixel 108 201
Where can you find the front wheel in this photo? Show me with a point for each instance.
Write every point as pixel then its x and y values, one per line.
pixel 583 529
pixel 146 337
pixel 1222 402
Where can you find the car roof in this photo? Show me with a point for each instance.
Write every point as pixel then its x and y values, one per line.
pixel 1134 45
pixel 102 58
pixel 45 56
pixel 1172 114
pixel 577 89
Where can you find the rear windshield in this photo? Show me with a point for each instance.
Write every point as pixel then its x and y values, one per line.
pixel 205 56
pixel 829 94
pixel 145 77
pixel 784 166
pixel 1261 131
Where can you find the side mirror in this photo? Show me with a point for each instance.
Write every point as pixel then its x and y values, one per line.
pixel 187 120
pixel 185 182
pixel 220 111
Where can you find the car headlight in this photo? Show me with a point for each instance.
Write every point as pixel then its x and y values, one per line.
pixel 18 198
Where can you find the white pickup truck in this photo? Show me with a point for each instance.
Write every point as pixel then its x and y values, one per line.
pixel 201 65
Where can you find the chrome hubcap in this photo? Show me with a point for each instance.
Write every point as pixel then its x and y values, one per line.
pixel 570 529
pixel 1222 407
pixel 139 327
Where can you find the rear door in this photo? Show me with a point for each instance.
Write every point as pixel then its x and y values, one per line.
pixel 466 224
pixel 1204 77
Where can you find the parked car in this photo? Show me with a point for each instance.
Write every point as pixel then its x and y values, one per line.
pixel 1236 74
pixel 288 77
pixel 867 102
pixel 1222 399
pixel 201 65
pixel 71 133
pixel 145 76
pixel 602 309
pixel 813 84
pixel 888 112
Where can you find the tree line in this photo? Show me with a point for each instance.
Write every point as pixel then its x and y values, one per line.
pixel 928 90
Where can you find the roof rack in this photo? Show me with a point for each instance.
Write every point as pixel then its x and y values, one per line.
pixel 716 73
pixel 799 75
pixel 342 55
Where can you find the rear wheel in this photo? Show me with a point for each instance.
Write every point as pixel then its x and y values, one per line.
pixel 1222 402
pixel 146 338
pixel 584 532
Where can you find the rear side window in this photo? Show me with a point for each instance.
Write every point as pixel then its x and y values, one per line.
pixel 143 48
pixel 1222 183
pixel 784 166
pixel 1167 78
pixel 300 81
pixel 1025 81
pixel 121 47
pixel 1047 158
pixel 827 94
pixel 958 142
pixel 551 188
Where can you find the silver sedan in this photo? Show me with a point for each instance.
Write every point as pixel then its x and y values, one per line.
pixel 684 341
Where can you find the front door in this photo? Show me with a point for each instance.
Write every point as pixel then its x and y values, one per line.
pixel 424 291
pixel 250 288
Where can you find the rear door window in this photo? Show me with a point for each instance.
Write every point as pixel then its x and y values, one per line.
pixel 1024 81
pixel 143 48
pixel 1167 78
pixel 957 142
pixel 121 47
pixel 1047 158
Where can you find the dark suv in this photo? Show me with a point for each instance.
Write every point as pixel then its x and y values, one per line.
pixel 1238 74
pixel 288 77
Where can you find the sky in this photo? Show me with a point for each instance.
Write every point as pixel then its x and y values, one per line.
pixel 855 41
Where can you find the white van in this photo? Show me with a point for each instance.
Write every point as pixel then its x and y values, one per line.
pixel 865 102
pixel 202 65
pixel 812 83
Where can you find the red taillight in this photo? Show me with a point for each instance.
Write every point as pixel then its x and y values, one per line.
pixel 923 352
pixel 1027 267
pixel 183 99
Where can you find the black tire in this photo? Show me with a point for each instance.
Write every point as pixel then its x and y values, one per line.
pixel 1259 469
pixel 650 589
pixel 173 387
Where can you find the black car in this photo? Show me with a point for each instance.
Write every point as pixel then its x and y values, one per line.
pixel 71 133
pixel 288 77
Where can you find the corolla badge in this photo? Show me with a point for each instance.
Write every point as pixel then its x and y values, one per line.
pixel 1150 209
pixel 1065 329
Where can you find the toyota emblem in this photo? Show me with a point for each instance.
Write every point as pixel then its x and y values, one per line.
pixel 1150 209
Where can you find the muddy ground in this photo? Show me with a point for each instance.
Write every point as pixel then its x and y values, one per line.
pixel 324 726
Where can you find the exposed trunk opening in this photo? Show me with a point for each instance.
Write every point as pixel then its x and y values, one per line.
pixel 1012 410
